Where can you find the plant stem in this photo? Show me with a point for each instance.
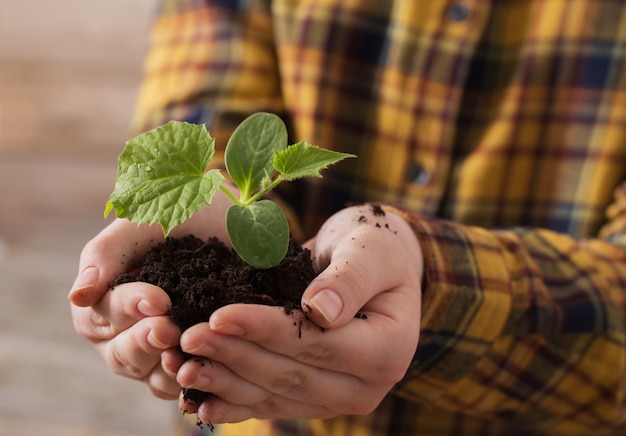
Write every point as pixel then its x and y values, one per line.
pixel 229 194
pixel 255 197
pixel 262 192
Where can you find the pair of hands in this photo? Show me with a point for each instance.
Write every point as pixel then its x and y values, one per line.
pixel 250 356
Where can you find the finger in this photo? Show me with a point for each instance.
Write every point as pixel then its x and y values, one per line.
pixel 116 249
pixel 161 384
pixel 171 362
pixel 214 377
pixel 271 381
pixel 271 328
pixel 238 399
pixel 219 411
pixel 361 349
pixel 119 309
pixel 369 257
pixel 135 352
pixel 343 350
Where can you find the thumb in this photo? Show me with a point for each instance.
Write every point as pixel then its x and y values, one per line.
pixel 339 292
pixel 362 255
pixel 110 253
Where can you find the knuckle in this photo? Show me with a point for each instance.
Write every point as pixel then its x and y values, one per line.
pixel 314 354
pixel 292 383
pixel 161 385
pixel 102 329
pixel 269 404
pixel 359 276
pixel 162 393
pixel 121 365
pixel 101 324
pixel 92 325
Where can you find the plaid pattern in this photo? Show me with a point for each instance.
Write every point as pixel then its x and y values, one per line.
pixel 498 129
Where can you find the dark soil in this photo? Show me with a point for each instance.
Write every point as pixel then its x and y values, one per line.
pixel 202 276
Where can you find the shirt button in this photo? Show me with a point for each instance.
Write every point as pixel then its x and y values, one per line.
pixel 418 174
pixel 458 12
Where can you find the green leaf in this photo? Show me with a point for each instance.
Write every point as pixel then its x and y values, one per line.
pixel 259 233
pixel 161 175
pixel 303 159
pixel 250 151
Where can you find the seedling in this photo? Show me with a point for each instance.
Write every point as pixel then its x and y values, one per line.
pixel 162 178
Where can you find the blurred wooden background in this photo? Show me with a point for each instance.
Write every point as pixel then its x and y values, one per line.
pixel 69 71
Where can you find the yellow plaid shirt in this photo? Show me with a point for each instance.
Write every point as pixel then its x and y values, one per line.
pixel 498 129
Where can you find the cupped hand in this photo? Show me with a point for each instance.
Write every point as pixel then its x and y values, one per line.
pixel 128 325
pixel 260 362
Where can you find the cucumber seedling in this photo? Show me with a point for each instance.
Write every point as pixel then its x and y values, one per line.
pixel 162 178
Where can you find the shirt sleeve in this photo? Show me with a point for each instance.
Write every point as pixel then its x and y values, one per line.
pixel 209 62
pixel 522 321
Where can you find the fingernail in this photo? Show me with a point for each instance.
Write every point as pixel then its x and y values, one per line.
pixel 202 381
pixel 202 349
pixel 328 304
pixel 147 309
pixel 229 328
pixel 156 343
pixel 86 279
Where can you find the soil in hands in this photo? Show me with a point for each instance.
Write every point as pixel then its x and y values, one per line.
pixel 202 276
